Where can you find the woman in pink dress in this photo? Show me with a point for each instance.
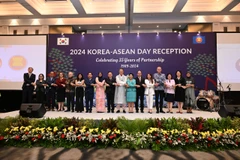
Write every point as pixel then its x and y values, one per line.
pixel 100 93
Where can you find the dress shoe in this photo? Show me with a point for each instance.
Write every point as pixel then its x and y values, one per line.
pixel 162 112
pixel 118 111
pixel 124 111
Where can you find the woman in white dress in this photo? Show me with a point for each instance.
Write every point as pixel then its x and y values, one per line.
pixel 149 92
pixel 120 91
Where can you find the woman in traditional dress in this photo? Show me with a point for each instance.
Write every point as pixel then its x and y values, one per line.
pixel 131 92
pixel 100 93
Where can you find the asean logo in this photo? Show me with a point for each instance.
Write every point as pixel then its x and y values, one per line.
pixel 17 62
pixel 199 39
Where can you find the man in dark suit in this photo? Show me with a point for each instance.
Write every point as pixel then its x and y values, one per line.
pixel 140 81
pixel 51 91
pixel 28 85
pixel 110 91
pixel 89 92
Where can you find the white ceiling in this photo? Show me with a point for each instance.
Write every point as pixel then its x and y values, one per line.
pixel 128 13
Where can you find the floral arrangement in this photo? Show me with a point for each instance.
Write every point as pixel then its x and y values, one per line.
pixel 155 137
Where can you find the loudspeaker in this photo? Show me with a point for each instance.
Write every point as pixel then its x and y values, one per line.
pixel 32 110
pixel 229 111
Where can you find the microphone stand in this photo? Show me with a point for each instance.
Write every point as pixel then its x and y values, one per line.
pixel 221 93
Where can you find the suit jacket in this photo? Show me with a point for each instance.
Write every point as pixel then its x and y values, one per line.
pixel 141 89
pixel 40 86
pixel 28 80
pixel 111 88
pixel 49 81
pixel 89 89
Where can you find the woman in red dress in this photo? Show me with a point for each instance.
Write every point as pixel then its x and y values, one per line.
pixel 61 84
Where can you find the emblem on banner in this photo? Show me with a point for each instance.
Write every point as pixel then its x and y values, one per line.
pixel 199 40
pixel 63 41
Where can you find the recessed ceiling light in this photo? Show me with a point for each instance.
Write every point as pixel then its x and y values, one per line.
pixel 180 26
pixel 175 31
pixel 100 27
pixel 139 26
pixel 118 26
pixel 157 26
pixel 79 27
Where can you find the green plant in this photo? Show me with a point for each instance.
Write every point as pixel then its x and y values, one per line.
pixel 211 124
pixel 173 123
pixel 51 122
pixel 235 123
pixel 132 126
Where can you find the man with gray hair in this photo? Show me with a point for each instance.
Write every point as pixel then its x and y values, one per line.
pixel 160 79
pixel 70 91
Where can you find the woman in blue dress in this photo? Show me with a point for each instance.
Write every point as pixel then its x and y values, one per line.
pixel 131 92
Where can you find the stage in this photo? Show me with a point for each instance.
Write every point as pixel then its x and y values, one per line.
pixel 145 115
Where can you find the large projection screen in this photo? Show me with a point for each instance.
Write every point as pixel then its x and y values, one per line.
pixel 17 53
pixel 228 60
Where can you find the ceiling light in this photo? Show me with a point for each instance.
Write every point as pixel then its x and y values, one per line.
pixel 79 27
pixel 139 26
pixel 157 26
pixel 100 27
pixel 175 31
pixel 179 26
pixel 118 26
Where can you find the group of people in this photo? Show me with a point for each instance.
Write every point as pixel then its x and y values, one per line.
pixel 120 91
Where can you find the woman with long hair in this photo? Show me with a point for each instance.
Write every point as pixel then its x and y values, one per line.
pixel 149 91
pixel 41 89
pixel 180 84
pixel 100 93
pixel 79 82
